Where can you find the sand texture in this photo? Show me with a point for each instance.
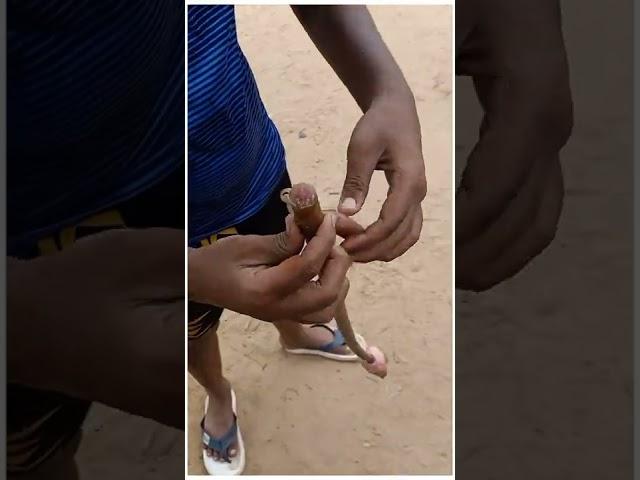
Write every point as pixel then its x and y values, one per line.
pixel 312 416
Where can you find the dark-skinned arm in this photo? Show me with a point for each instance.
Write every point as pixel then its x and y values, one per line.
pixel 387 137
pixel 347 38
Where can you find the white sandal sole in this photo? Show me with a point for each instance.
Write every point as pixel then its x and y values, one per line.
pixel 236 467
pixel 331 356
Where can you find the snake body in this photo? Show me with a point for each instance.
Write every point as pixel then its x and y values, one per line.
pixel 302 201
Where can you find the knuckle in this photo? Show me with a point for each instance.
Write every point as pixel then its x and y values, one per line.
pixel 387 257
pixel 413 238
pixel 324 298
pixel 269 316
pixel 259 294
pixel 480 286
pixel 310 268
pixel 346 285
pixel 554 122
pixel 476 282
pixel 361 137
pixel 474 278
pixel 419 187
pixel 544 234
pixel 423 188
pixel 552 115
pixel 281 243
pixel 329 297
pixel 343 257
pixel 354 182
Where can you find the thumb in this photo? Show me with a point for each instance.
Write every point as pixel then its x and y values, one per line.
pixel 285 244
pixel 362 157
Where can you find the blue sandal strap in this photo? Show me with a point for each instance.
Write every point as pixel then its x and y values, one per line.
pixel 221 444
pixel 338 338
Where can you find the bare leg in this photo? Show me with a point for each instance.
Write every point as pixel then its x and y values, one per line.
pixel 205 364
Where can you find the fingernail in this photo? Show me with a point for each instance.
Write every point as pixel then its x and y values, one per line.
pixel 349 203
pixel 333 220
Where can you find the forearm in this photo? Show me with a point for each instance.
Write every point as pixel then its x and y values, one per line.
pixel 103 321
pixel 202 286
pixel 20 309
pixel 194 276
pixel 67 309
pixel 347 37
pixel 33 332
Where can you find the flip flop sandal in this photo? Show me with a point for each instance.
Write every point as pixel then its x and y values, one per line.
pixel 227 466
pixel 326 351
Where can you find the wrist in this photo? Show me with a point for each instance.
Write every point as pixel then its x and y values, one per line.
pixel 393 93
pixel 393 85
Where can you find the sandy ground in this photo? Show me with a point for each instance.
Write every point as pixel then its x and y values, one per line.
pixel 312 416
pixel 119 445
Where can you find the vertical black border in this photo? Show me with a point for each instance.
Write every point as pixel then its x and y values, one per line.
pixel 636 239
pixel 3 245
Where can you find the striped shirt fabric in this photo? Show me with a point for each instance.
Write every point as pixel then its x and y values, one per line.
pixel 95 107
pixel 235 154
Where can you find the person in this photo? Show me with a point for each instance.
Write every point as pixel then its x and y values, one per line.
pixel 244 250
pixel 95 223
pixel 515 53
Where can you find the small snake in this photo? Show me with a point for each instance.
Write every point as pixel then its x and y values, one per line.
pixel 302 202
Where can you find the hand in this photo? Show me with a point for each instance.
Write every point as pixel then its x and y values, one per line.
pixel 268 278
pixel 103 320
pixel 386 138
pixel 509 200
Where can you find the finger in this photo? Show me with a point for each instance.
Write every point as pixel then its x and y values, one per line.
pixel 510 225
pixel 274 249
pixel 524 120
pixel 540 231
pixel 294 272
pixel 363 153
pixel 327 314
pixel 539 235
pixel 412 237
pixel 385 250
pixel 400 200
pixel 316 296
pixel 482 194
pixel 347 227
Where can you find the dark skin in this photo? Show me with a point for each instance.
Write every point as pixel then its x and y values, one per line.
pixel 387 136
pixel 108 311
pixel 386 101
pixel 509 201
pixel 270 277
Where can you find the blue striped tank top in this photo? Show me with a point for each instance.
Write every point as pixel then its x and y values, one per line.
pixel 95 107
pixel 235 154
